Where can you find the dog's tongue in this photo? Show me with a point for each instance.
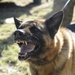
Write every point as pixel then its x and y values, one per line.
pixel 27 48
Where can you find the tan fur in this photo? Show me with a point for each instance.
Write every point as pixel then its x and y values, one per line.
pixel 58 57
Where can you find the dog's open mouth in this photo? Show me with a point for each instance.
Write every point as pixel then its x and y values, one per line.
pixel 27 49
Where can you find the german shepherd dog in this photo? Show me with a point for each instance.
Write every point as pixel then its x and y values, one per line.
pixel 46 46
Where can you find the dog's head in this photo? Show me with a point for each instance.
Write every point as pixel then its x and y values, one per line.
pixel 33 36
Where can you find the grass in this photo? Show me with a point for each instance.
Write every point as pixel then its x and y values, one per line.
pixel 9 63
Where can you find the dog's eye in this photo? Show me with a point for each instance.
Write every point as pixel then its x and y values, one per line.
pixel 34 29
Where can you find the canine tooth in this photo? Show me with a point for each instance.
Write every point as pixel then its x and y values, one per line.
pixel 26 42
pixel 23 41
pixel 25 53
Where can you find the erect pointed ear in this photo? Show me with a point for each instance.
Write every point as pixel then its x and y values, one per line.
pixel 53 23
pixel 17 22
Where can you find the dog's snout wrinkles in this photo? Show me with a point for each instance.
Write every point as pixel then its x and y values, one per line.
pixel 19 32
pixel 22 35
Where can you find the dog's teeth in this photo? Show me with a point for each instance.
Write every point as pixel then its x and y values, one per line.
pixel 22 41
pixel 26 42
pixel 25 54
pixel 17 42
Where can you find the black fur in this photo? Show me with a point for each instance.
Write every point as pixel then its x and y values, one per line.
pixel 53 23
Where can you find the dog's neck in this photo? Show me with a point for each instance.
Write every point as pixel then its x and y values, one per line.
pixel 62 46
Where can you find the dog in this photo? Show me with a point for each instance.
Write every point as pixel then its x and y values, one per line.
pixel 48 47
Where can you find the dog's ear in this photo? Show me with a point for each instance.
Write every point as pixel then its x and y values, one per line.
pixel 53 23
pixel 17 22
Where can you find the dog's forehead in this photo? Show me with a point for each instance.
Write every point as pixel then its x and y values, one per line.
pixel 30 23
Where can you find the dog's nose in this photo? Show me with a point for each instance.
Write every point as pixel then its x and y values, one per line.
pixel 22 35
pixel 19 32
